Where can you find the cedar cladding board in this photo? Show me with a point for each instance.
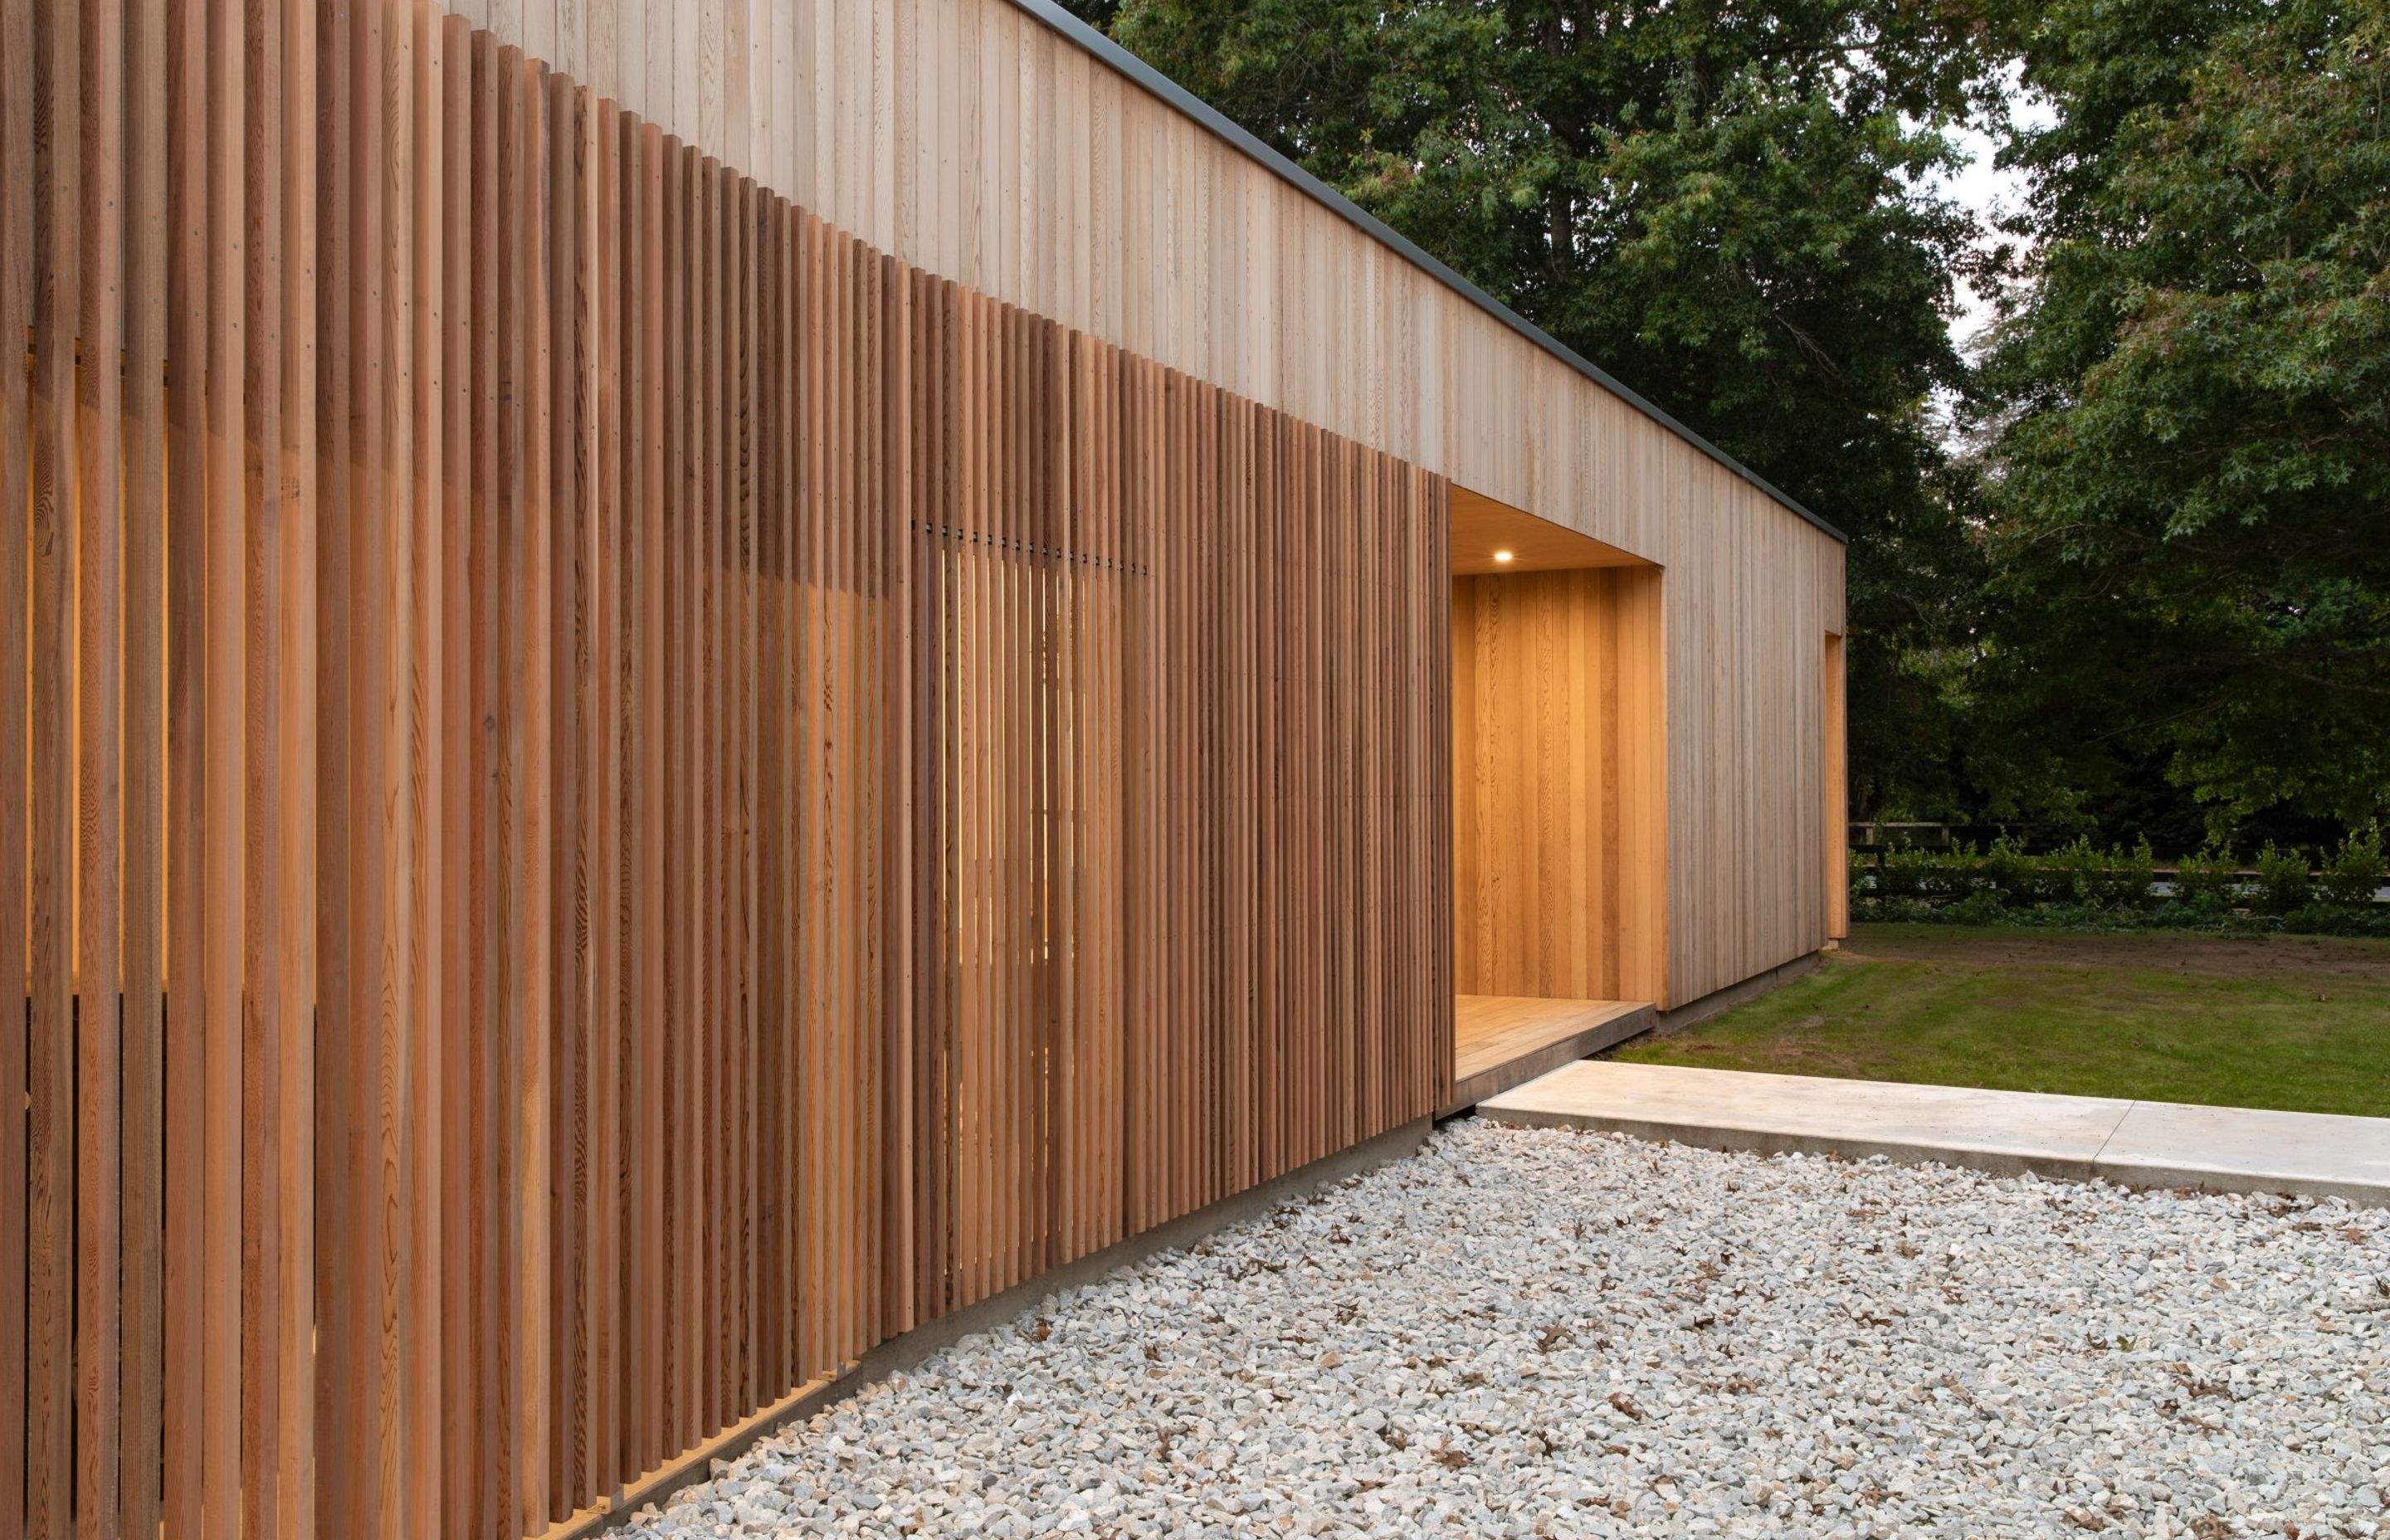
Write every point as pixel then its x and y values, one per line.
pixel 620 796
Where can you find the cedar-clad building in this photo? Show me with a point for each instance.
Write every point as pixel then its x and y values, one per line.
pixel 684 686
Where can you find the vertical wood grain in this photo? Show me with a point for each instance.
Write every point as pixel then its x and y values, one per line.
pixel 336 153
pixel 50 1112
pixel 98 556
pixel 419 678
pixel 298 748
pixel 263 943
pixel 17 269
pixel 224 620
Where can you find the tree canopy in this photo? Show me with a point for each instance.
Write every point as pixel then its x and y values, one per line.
pixel 2188 505
pixel 2156 567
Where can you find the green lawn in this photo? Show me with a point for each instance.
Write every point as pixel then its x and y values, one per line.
pixel 2291 1021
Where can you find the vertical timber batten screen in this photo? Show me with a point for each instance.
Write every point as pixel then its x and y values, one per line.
pixel 613 797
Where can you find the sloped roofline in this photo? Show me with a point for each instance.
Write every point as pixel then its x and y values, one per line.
pixel 1116 58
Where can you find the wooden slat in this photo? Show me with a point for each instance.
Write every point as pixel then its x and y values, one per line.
pixel 711 1122
pixel 526 932
pixel 809 374
pixel 568 665
pixel 262 942
pixel 297 747
pixel 604 432
pixel 50 1158
pixel 514 921
pixel 900 1148
pixel 649 1359
pixel 479 1400
pixel 224 622
pixel 745 1386
pixel 142 1342
pixel 419 678
pixel 336 324
pixel 680 1316
pixel 454 799
pixel 19 266
pixel 536 1024
pixel 772 899
pixel 97 556
pixel 365 1453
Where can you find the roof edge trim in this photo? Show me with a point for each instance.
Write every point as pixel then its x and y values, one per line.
pixel 1114 57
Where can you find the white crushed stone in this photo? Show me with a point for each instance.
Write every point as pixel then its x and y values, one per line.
pixel 1529 1332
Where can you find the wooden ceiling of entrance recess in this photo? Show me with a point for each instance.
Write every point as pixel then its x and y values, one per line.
pixel 1482 526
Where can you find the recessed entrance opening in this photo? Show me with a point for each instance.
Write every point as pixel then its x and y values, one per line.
pixel 1559 778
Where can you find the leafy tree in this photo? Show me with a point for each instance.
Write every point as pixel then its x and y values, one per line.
pixel 2188 491
pixel 1729 206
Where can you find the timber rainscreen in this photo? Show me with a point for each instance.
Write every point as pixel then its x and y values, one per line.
pixel 612 796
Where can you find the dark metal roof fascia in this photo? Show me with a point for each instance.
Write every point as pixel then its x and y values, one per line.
pixel 1146 75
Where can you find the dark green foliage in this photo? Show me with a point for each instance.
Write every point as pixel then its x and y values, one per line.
pixel 1903 873
pixel 2210 879
pixel 2085 874
pixel 2312 919
pixel 2354 872
pixel 2282 884
pixel 2070 885
pixel 2010 872
pixel 2115 877
pixel 2189 500
pixel 1957 873
pixel 2024 879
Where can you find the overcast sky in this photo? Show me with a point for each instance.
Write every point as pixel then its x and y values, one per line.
pixel 1988 192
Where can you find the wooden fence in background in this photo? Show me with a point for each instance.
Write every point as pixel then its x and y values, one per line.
pixel 611 797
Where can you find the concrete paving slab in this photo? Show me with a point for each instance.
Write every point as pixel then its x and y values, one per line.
pixel 2006 1131
pixel 2251 1149
pixel 2162 1144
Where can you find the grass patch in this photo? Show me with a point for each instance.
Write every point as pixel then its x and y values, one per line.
pixel 2297 1023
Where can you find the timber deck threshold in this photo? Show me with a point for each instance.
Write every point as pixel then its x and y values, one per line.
pixel 1501 1041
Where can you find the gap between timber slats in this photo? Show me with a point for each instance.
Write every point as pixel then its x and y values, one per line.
pixel 609 797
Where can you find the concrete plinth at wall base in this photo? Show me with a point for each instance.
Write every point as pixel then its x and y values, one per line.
pixel 925 1342
pixel 1677 1018
pixel 2008 1132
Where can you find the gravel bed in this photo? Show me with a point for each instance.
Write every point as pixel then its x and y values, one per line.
pixel 1534 1332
